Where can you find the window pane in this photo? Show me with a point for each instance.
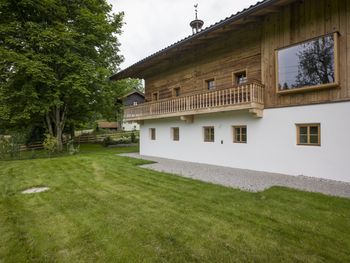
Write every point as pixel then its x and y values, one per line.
pixel 210 84
pixel 176 134
pixel 314 139
pixel 314 130
pixel 153 133
pixel 303 139
pixel 303 130
pixel 244 137
pixel 307 64
pixel 208 134
pixel 237 134
pixel 241 78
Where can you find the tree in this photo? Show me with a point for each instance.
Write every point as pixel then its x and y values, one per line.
pixel 316 62
pixel 56 57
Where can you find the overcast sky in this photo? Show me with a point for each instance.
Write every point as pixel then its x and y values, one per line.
pixel 151 25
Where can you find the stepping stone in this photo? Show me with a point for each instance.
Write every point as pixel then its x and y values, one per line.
pixel 35 190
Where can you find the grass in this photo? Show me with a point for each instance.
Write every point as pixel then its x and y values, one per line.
pixel 104 208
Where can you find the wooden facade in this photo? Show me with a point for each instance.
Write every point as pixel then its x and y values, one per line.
pixel 297 22
pixel 250 45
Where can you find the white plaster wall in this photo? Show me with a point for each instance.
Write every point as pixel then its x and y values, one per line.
pixel 271 144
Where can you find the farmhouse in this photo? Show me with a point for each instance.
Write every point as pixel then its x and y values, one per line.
pixel 265 89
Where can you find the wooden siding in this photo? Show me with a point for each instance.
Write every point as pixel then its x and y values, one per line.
pixel 239 50
pixel 252 48
pixel 298 22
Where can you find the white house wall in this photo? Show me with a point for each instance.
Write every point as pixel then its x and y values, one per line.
pixel 271 141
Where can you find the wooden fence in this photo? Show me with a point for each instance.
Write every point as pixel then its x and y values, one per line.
pixel 84 138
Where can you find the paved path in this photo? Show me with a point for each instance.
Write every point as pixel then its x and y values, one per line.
pixel 248 180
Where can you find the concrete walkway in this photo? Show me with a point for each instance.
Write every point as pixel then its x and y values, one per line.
pixel 248 180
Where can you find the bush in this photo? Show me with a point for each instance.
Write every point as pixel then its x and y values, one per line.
pixel 5 147
pixel 50 144
pixel 123 140
pixel 133 137
pixel 11 146
pixel 71 149
pixel 107 141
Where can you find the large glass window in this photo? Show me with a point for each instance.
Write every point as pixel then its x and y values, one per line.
pixel 308 64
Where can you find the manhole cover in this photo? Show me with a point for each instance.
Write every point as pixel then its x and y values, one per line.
pixel 35 190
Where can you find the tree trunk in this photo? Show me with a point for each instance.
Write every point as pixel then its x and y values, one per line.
pixel 59 120
pixel 49 123
pixel 59 138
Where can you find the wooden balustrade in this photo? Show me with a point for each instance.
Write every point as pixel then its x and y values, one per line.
pixel 249 96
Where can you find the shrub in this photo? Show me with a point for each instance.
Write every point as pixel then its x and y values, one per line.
pixel 133 137
pixel 4 147
pixel 123 140
pixel 50 144
pixel 71 149
pixel 107 141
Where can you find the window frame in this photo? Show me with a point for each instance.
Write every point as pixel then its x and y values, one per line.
pixel 174 92
pixel 152 135
pixel 173 134
pixel 308 126
pixel 157 95
pixel 315 87
pixel 240 136
pixel 210 135
pixel 234 77
pixel 206 83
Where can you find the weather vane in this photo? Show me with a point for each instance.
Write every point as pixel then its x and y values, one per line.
pixel 196 10
pixel 196 24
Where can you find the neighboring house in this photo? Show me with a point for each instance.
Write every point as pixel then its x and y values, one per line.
pixel 108 125
pixel 265 89
pixel 132 99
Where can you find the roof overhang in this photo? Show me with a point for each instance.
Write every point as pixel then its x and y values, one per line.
pixel 252 14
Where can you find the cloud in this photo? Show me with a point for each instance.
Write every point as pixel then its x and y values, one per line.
pixel 152 25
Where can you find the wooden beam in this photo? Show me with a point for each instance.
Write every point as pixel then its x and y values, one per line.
pixel 258 113
pixel 187 118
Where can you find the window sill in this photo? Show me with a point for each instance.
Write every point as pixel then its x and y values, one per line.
pixel 308 88
pixel 305 144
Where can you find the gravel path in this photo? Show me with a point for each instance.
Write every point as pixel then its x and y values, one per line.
pixel 248 180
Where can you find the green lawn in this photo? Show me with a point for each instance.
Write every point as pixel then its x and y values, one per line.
pixel 104 208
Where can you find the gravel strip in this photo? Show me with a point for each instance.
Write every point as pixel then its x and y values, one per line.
pixel 243 179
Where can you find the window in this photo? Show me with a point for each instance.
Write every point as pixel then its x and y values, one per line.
pixel 135 103
pixel 155 96
pixel 175 131
pixel 309 134
pixel 176 92
pixel 240 77
pixel 208 134
pixel 308 65
pixel 152 133
pixel 240 134
pixel 210 84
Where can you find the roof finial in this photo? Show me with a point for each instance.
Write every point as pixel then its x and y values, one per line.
pixel 196 10
pixel 196 24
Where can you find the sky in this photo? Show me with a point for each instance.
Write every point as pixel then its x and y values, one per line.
pixel 151 25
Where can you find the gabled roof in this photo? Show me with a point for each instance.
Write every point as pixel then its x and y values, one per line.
pixel 259 9
pixel 133 92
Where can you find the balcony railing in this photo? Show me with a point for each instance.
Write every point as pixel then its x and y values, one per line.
pixel 248 96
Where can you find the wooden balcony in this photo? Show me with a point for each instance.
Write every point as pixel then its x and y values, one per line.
pixel 249 96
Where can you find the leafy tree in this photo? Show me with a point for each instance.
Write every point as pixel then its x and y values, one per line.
pixel 56 56
pixel 316 63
